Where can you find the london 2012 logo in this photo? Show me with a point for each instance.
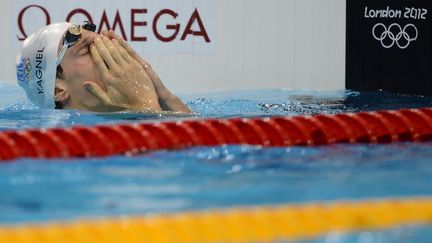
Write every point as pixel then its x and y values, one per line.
pixel 24 71
pixel 395 35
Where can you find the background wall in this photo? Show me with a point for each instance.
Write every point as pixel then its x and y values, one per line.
pixel 257 44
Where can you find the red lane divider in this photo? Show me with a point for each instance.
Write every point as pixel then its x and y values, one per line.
pixel 104 140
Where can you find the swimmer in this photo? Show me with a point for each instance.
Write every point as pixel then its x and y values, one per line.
pixel 69 66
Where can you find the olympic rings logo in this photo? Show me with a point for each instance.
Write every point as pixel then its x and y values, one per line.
pixel 394 34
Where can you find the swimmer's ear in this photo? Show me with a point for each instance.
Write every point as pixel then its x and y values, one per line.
pixel 61 95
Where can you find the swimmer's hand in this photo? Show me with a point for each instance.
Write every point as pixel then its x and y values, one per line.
pixel 167 100
pixel 128 85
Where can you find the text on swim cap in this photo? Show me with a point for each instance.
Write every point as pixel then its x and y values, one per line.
pixel 38 72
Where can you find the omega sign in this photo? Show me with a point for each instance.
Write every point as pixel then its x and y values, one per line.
pixel 158 26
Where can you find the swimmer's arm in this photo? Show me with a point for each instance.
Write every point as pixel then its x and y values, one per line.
pixel 169 101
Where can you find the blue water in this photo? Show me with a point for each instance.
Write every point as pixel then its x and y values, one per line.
pixel 212 177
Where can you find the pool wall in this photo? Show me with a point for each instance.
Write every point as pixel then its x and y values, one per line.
pixel 247 44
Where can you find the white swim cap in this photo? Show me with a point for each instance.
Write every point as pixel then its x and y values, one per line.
pixel 36 64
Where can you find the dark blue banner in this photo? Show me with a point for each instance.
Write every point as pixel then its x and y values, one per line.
pixel 389 45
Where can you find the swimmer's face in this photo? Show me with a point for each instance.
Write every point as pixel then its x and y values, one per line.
pixel 79 67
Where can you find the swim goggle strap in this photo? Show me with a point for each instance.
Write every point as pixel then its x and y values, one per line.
pixel 72 36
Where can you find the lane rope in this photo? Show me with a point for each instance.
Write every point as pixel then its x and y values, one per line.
pixel 255 224
pixel 104 140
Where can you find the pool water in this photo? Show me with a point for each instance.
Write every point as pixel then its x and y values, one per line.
pixel 214 177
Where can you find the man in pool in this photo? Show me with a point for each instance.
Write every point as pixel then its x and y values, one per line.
pixel 68 66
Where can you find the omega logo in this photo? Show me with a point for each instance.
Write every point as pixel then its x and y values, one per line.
pixel 194 27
